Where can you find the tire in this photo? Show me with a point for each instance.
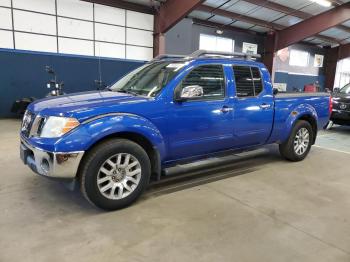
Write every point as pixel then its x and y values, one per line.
pixel 109 185
pixel 288 150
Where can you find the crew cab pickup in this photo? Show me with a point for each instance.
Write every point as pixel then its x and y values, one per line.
pixel 168 111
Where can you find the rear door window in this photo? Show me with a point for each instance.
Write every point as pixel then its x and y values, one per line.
pixel 248 81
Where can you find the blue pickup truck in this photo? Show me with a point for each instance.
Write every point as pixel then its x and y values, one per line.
pixel 169 111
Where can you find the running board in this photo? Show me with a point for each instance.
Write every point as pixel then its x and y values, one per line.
pixel 212 162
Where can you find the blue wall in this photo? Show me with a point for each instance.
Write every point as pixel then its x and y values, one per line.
pixel 22 74
pixel 298 80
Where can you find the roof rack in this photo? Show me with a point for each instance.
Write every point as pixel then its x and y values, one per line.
pixel 160 57
pixel 200 53
pixel 210 54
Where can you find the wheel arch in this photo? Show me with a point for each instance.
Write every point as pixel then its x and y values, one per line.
pixel 139 139
pixel 312 121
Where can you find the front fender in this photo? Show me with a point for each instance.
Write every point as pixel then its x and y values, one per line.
pixel 297 113
pixel 93 130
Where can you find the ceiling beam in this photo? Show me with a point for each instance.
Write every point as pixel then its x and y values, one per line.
pixel 125 5
pixel 171 12
pixel 289 11
pixel 236 16
pixel 251 20
pixel 280 8
pixel 312 26
pixel 222 27
pixel 344 51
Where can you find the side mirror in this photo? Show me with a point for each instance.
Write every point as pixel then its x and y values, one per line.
pixel 336 90
pixel 189 92
pixel 275 91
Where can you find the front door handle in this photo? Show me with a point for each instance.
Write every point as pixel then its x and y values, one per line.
pixel 226 109
pixel 265 106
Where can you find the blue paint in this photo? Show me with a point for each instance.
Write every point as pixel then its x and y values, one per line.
pixel 181 130
pixel 22 74
pixel 298 80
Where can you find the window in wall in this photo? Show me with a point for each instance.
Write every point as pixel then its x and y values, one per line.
pixel 34 22
pixel 210 77
pixel 5 18
pixel 215 43
pixel 342 76
pixel 76 27
pixel 299 58
pixel 6 39
pixel 248 81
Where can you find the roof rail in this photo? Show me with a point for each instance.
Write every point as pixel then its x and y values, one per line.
pixel 200 53
pixel 160 57
pixel 212 54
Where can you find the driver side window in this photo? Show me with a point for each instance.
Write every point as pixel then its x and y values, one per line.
pixel 210 77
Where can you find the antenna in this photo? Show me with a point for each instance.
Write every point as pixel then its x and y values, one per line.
pixel 99 82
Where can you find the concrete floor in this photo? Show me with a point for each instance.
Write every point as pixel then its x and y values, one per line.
pixel 256 208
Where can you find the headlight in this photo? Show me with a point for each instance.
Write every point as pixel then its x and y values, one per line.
pixel 57 126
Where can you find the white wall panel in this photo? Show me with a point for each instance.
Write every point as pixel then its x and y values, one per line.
pixel 109 15
pixel 34 42
pixel 5 18
pixel 139 37
pixel 109 50
pixel 139 53
pixel 34 22
pixel 75 8
pixel 44 6
pixel 74 46
pixel 6 39
pixel 75 28
pixel 139 20
pixel 109 33
pixel 5 3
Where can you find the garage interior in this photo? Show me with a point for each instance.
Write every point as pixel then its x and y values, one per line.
pixel 250 206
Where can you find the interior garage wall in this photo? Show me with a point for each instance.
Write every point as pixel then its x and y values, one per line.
pixel 23 74
pixel 69 35
pixel 297 76
pixel 183 38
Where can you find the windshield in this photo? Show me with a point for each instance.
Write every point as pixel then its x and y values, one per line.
pixel 345 89
pixel 149 79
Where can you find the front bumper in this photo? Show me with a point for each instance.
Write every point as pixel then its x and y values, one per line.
pixel 50 164
pixel 342 115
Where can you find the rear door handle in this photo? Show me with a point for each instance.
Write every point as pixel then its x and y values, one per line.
pixel 265 106
pixel 226 109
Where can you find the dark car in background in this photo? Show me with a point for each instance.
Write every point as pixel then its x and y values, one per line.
pixel 341 106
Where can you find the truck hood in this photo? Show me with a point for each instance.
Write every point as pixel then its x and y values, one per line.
pixel 87 104
pixel 341 97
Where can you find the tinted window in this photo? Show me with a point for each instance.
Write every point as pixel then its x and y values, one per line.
pixel 210 77
pixel 257 80
pixel 248 81
pixel 243 79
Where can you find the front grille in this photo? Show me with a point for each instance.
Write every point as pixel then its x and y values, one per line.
pixel 27 123
pixel 344 106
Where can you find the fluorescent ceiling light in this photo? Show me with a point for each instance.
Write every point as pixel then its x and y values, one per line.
pixel 324 3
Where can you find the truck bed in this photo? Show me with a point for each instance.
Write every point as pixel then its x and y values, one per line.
pixel 288 103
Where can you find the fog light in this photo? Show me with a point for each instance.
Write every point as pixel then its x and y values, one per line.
pixel 45 166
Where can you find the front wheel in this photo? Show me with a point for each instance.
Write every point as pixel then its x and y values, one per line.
pixel 299 143
pixel 114 174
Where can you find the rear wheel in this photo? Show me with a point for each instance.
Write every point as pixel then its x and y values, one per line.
pixel 114 174
pixel 299 143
